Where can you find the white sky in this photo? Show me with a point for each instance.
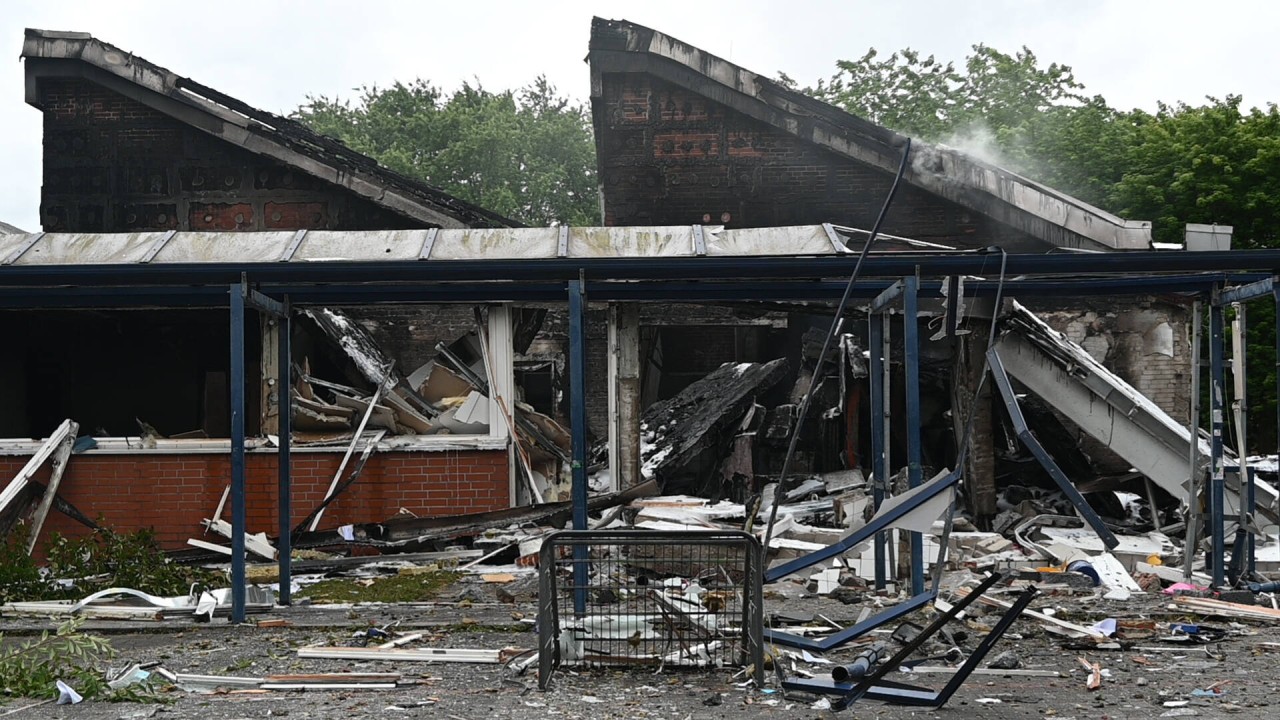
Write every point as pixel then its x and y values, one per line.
pixel 272 54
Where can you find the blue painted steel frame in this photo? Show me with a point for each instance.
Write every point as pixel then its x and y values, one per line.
pixel 877 524
pixel 1042 456
pixel 1217 480
pixel 238 293
pixel 885 616
pixel 284 406
pixel 578 431
pixel 911 371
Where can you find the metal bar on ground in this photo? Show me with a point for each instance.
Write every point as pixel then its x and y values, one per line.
pixel 284 490
pixel 875 334
pixel 578 431
pixel 1217 478
pixel 238 293
pixel 1032 443
pixel 911 375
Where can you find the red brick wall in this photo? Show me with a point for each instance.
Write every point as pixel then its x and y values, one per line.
pixel 172 493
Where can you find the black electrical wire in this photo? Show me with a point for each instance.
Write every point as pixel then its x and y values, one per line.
pixel 803 412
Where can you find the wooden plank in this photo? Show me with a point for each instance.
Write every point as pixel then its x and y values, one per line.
pixel 19 481
pixel 1222 608
pixel 60 459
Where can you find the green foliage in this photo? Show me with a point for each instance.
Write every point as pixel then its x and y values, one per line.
pixel 94 562
pixel 30 668
pixel 20 577
pixel 526 154
pixel 1212 163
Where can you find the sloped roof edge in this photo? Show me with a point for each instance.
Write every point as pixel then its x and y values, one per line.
pixel 1040 211
pixel 258 131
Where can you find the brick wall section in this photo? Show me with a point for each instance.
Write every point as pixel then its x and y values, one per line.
pixel 172 493
pixel 672 157
pixel 112 164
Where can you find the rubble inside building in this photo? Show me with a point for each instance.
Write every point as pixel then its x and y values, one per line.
pixel 802 454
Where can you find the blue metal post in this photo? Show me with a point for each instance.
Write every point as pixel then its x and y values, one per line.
pixel 1217 507
pixel 911 376
pixel 284 407
pixel 578 424
pixel 875 339
pixel 238 292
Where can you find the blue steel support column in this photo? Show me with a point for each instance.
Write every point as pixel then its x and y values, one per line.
pixel 1217 480
pixel 238 292
pixel 875 338
pixel 578 424
pixel 284 407
pixel 911 376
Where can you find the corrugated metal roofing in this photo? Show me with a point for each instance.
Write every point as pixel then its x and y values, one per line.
pixel 160 248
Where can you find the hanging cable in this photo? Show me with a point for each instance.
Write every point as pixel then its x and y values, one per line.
pixel 780 491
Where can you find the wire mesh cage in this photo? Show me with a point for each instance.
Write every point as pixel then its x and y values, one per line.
pixel 649 599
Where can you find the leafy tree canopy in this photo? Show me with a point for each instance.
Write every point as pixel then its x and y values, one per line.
pixel 527 154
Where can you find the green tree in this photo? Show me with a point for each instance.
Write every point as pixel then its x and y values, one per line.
pixel 527 154
pixel 1212 163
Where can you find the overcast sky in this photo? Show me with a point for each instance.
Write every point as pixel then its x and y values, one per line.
pixel 273 54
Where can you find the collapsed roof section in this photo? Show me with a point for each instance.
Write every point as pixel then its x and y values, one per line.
pixel 74 55
pixel 1058 220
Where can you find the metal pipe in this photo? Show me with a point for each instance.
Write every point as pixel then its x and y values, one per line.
pixel 861 665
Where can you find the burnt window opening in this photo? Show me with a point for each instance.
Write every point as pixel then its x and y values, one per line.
pixel 117 372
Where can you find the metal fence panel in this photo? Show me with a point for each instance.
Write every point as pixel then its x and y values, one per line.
pixel 651 599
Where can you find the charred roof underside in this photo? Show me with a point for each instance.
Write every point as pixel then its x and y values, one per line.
pixel 69 55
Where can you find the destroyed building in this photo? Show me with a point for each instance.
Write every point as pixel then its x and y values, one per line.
pixel 685 137
pixel 698 159
pixel 130 147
